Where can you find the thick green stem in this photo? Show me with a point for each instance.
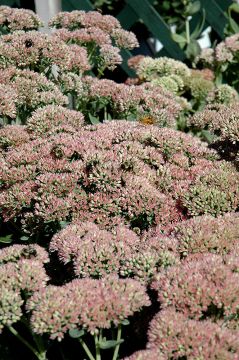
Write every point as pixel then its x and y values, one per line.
pixel 97 348
pixel 37 339
pixel 187 31
pixel 116 352
pixel 26 343
pixel 87 350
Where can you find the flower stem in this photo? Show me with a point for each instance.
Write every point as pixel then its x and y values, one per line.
pixel 26 343
pixel 87 350
pixel 97 348
pixel 116 352
pixel 187 31
pixel 37 339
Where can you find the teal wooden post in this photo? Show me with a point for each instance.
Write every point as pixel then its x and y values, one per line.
pixel 215 16
pixel 9 2
pixel 70 5
pixel 127 17
pixel 224 4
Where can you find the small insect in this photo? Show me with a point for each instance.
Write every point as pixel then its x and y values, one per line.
pixel 28 43
pixel 29 252
pixel 147 120
pixel 99 10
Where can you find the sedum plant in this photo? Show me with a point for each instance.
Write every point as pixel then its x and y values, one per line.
pixel 223 60
pixel 119 222
pixel 222 122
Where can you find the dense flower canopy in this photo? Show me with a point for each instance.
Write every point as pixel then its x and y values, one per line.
pixel 113 174
pixel 127 227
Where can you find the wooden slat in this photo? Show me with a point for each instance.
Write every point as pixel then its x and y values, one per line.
pixel 8 2
pixel 70 5
pixel 157 26
pixel 215 16
pixel 224 4
pixel 126 54
pixel 127 17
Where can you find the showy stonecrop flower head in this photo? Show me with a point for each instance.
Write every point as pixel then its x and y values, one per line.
pixel 223 94
pixel 148 68
pixel 202 198
pixel 107 99
pixel 176 336
pixel 18 19
pixel 153 354
pixel 222 121
pixel 101 35
pixel 208 234
pixel 223 60
pixel 26 274
pixel 39 52
pixel 12 136
pixel 117 173
pixel 203 286
pixel 21 273
pixel 27 91
pixel 96 253
pixel 172 83
pixel 10 306
pixel 8 101
pixel 88 304
pixel 53 118
pixel 17 252
pixel 198 86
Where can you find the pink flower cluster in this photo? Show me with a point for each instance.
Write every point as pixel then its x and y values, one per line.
pixel 88 304
pixel 113 174
pixel 225 52
pixel 121 101
pixel 21 272
pixel 223 122
pixel 17 252
pixel 96 253
pixel 202 286
pixel 18 19
pixel 53 118
pixel 13 136
pixel 153 354
pixel 25 91
pixel 208 234
pixel 39 52
pixel 101 35
pixel 177 337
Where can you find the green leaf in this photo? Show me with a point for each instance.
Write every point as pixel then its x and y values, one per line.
pixel 193 49
pixel 94 120
pixel 197 31
pixel 233 25
pixel 6 239
pixel 75 333
pixel 108 344
pixel 178 38
pixel 206 135
pixel 224 67
pixel 234 8
pixel 63 224
pixel 125 322
pixel 24 238
pixel 193 8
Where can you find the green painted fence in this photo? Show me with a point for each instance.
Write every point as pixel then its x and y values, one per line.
pixel 135 10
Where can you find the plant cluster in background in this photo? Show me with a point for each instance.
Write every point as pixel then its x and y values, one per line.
pixel 119 233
